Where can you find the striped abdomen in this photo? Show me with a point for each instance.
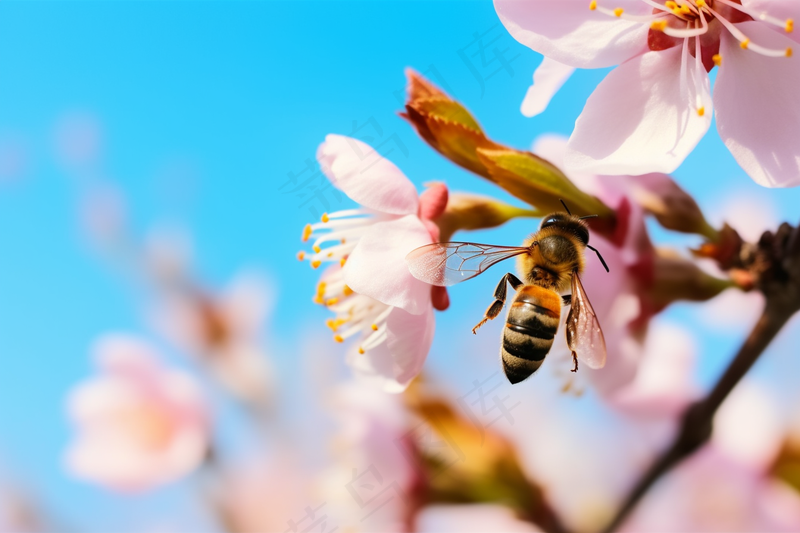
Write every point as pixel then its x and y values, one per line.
pixel 530 328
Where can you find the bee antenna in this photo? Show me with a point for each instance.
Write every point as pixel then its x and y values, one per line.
pixel 565 206
pixel 589 216
pixel 592 248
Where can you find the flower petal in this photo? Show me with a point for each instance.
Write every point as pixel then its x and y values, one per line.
pixel 366 177
pixel 377 266
pixel 779 9
pixel 642 118
pixel 569 32
pixel 758 112
pixel 548 78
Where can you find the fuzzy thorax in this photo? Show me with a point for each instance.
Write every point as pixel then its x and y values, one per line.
pixel 556 252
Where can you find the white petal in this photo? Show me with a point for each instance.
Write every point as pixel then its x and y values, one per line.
pixel 548 78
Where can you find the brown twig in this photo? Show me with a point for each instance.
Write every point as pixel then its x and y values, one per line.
pixel 775 265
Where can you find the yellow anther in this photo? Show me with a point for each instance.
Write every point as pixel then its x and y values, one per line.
pixel 342 261
pixel 316 263
pixel 618 11
pixel 658 25
pixel 330 254
pixel 593 5
pixel 343 241
pixel 338 338
pixel 744 44
pixel 374 327
pixel 789 26
pixel 321 287
pixel 717 59
pixel 671 5
pixel 307 231
pixel 701 111
pixel 332 301
pixel 685 10
pixel 700 3
pixel 789 52
pixel 361 350
pixel 331 324
pixel 325 217
pixel 347 290
pixel 301 255
pixel 316 248
pixel 318 300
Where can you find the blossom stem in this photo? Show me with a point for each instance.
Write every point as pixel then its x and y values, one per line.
pixel 776 262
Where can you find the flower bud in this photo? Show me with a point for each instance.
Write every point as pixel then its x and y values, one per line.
pixel 673 207
pixel 471 212
pixel 677 278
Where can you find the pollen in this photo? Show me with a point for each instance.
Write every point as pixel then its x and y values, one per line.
pixel 700 3
pixel 347 290
pixel 717 59
pixel 331 324
pixel 316 248
pixel 593 5
pixel 318 300
pixel 685 10
pixel 618 11
pixel 338 338
pixel 332 301
pixel 361 350
pixel 344 241
pixel 671 5
pixel 307 232
pixel 789 52
pixel 658 25
pixel 374 327
pixel 701 111
pixel 342 261
pixel 744 44
pixel 330 254
pixel 301 255
pixel 316 263
pixel 325 217
pixel 789 26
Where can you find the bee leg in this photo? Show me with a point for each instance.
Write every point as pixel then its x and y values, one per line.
pixel 499 299
pixel 567 299
pixel 574 361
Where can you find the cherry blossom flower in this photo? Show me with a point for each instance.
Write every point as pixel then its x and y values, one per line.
pixel 139 423
pixel 475 518
pixel 651 111
pixel 369 288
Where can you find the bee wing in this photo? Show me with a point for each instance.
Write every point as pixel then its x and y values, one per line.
pixel 584 336
pixel 448 263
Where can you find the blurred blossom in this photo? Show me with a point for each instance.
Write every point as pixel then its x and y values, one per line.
pixel 139 424
pixel 371 291
pixel 471 519
pixel 224 330
pixel 104 216
pixel 78 139
pixel 374 484
pixel 651 111
pixel 167 255
pixel 726 486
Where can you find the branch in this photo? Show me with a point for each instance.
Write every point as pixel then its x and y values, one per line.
pixel 775 264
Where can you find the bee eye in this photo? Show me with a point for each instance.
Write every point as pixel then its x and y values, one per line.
pixel 583 235
pixel 549 221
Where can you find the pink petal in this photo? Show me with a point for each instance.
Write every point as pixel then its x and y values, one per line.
pixel 377 266
pixel 548 78
pixel 410 338
pixel 758 112
pixel 433 201
pixel 569 32
pixel 640 118
pixel 394 363
pixel 780 9
pixel 366 177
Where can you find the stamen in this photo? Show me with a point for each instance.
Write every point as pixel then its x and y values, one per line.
pixel 374 327
pixel 301 255
pixel 325 218
pixel 347 290
pixel 332 301
pixel 316 263
pixel 593 5
pixel 342 261
pixel 717 59
pixel 787 25
pixel 316 249
pixel 338 338
pixel 618 12
pixel 744 42
pixel 361 350
pixel 307 231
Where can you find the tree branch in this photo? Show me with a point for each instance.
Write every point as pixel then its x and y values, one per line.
pixel 775 264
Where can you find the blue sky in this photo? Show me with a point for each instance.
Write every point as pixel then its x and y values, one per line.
pixel 200 110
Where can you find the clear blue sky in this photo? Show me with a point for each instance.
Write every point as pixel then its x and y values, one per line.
pixel 203 109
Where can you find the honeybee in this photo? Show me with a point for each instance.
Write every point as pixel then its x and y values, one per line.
pixel 550 262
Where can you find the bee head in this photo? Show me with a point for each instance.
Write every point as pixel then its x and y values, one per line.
pixel 569 223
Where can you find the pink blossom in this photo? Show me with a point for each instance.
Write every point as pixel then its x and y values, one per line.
pixel 471 519
pixel 139 423
pixel 372 293
pixel 548 78
pixel 651 111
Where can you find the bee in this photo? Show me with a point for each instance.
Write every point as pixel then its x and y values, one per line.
pixel 550 263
